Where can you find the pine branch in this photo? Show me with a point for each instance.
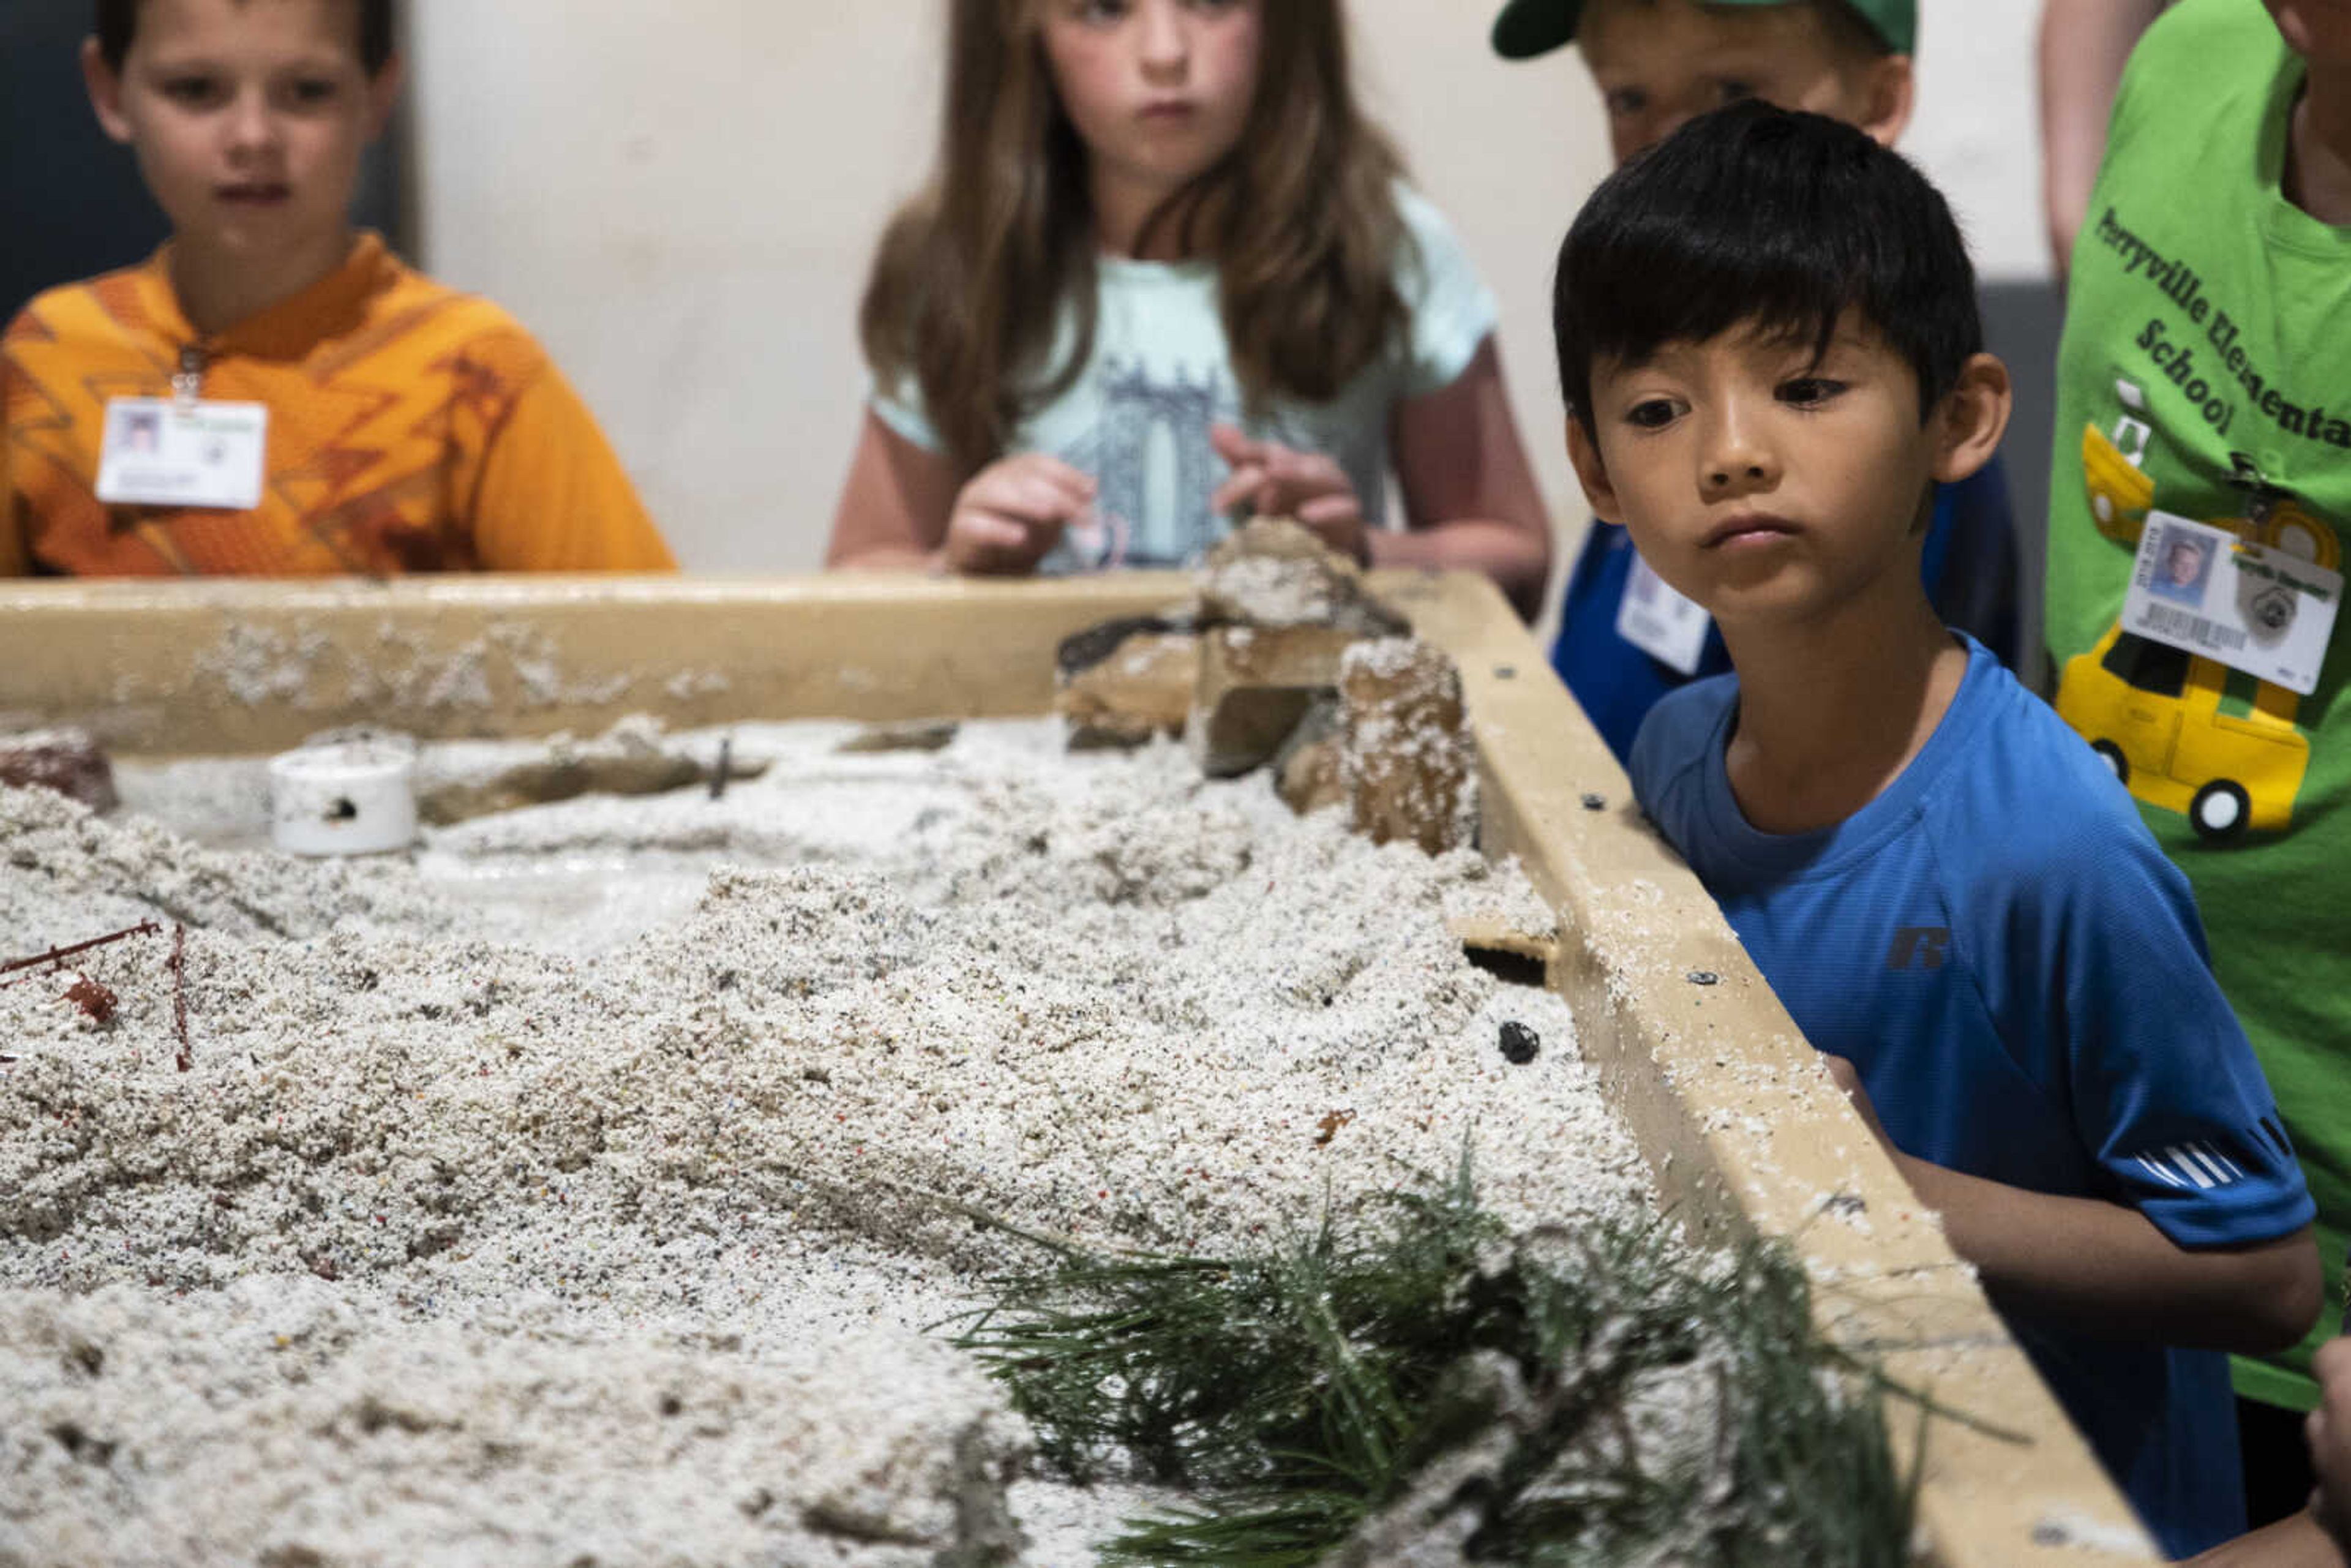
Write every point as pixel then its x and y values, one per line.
pixel 1367 1379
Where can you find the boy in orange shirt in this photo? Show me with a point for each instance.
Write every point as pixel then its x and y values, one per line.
pixel 274 393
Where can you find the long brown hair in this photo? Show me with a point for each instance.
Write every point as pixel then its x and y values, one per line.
pixel 1300 220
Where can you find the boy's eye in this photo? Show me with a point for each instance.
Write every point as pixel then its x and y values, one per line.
pixel 1734 91
pixel 1100 12
pixel 191 91
pixel 1807 391
pixel 310 92
pixel 1650 414
pixel 1626 102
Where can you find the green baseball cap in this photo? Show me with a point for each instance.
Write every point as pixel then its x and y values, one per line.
pixel 1529 27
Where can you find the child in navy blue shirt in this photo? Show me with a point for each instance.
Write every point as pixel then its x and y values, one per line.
pixel 1769 343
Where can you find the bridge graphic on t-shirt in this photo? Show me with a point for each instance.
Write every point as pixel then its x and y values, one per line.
pixel 1155 469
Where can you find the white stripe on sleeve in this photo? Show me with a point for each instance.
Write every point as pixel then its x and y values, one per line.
pixel 2185 1161
pixel 2231 1170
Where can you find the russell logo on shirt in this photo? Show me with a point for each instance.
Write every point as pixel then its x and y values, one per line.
pixel 1919 948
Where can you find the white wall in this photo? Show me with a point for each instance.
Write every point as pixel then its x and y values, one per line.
pixel 680 198
pixel 1978 130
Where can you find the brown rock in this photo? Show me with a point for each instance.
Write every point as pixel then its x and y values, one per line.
pixel 1125 681
pixel 1406 754
pixel 1255 684
pixel 1307 773
pixel 1280 609
pixel 65 761
pixel 913 735
pixel 1274 572
pixel 633 757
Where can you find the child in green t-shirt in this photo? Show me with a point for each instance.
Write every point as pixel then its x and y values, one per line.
pixel 2204 389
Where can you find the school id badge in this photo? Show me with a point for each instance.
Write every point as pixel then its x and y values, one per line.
pixel 1660 621
pixel 2254 608
pixel 173 451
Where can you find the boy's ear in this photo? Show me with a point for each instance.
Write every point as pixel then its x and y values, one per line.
pixel 105 84
pixel 1889 92
pixel 1592 472
pixel 383 94
pixel 1973 419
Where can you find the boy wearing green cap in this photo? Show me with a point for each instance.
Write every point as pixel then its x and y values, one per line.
pixel 1624 638
pixel 1661 62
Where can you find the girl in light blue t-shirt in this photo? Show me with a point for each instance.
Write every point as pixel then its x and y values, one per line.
pixel 1164 273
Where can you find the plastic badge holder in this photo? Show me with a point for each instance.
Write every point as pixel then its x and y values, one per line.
pixel 353 796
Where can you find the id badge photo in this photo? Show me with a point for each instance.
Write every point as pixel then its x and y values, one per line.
pixel 169 452
pixel 2254 607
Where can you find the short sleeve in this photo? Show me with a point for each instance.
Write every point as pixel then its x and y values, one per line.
pixel 1649 762
pixel 901 406
pixel 552 494
pixel 1453 311
pixel 2106 947
pixel 1676 743
pixel 2181 45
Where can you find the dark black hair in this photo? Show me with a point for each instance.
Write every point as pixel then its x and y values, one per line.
pixel 118 24
pixel 1759 217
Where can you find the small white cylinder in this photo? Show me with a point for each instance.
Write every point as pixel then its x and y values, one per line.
pixel 353 796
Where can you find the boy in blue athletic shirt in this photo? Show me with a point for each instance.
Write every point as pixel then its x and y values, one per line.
pixel 1771 354
pixel 1622 641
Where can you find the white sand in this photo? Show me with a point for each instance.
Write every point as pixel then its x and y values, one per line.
pixel 560 1197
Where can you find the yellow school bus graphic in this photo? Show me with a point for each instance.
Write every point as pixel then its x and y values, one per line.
pixel 2120 493
pixel 2154 712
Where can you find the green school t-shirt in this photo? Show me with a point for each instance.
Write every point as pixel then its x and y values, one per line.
pixel 2206 373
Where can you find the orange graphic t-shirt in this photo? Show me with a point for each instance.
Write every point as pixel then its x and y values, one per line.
pixel 412 428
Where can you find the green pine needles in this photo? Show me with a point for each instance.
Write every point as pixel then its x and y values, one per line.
pixel 1427 1387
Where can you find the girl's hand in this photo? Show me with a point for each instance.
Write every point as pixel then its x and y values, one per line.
pixel 1274 481
pixel 1012 512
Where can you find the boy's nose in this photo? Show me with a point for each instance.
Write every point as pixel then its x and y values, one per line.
pixel 1737 459
pixel 252 128
pixel 1731 476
